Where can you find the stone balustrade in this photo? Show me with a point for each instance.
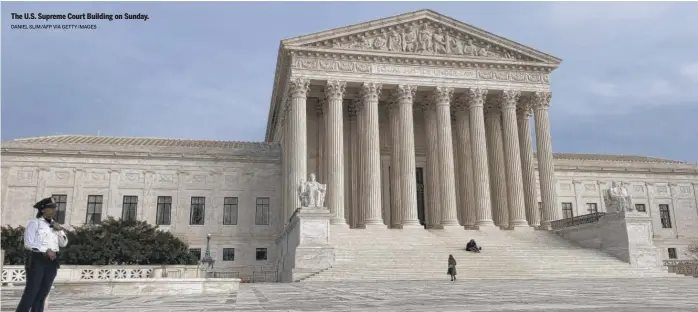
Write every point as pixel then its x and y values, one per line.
pixel 16 274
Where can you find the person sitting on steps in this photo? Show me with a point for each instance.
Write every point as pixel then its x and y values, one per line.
pixel 472 246
pixel 451 267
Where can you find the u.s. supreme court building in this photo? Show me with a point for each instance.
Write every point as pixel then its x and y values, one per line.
pixel 414 122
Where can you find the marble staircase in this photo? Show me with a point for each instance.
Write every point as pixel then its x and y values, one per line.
pixel 418 254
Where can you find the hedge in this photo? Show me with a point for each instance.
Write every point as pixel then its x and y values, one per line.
pixel 113 242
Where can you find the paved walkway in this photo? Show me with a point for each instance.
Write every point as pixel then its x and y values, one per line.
pixel 617 295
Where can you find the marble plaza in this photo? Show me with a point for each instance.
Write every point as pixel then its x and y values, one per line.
pixel 416 122
pixel 617 295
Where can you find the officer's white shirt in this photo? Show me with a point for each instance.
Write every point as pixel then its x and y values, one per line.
pixel 40 236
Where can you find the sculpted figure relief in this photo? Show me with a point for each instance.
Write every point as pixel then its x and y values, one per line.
pixel 439 40
pixel 425 44
pixel 426 39
pixel 312 193
pixel 617 198
pixel 395 42
pixel 409 41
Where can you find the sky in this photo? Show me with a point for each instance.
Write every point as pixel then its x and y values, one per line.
pixel 628 83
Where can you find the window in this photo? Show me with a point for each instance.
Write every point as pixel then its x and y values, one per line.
pixel 230 211
pixel 665 216
pixel 228 254
pixel 196 252
pixel 94 209
pixel 129 208
pixel 261 254
pixel 672 253
pixel 567 211
pixel 640 208
pixel 592 208
pixel 198 206
pixel 61 203
pixel 262 214
pixel 164 210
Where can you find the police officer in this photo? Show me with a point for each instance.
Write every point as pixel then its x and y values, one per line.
pixel 42 238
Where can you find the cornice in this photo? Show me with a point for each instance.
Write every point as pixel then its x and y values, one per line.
pixel 194 156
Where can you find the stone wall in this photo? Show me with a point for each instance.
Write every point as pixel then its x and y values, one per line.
pixel 33 171
pixel 28 177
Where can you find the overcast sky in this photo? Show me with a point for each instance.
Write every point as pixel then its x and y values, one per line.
pixel 628 83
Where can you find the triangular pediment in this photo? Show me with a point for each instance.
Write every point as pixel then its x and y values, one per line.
pixel 422 33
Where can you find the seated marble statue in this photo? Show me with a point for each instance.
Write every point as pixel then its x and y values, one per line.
pixel 617 198
pixel 311 193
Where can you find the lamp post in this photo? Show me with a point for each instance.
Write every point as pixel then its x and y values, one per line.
pixel 207 257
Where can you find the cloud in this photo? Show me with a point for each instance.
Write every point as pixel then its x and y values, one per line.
pixel 640 89
pixel 690 70
pixel 579 13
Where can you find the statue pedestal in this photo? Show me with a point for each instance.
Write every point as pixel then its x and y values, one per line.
pixel 304 246
pixel 624 235
pixel 628 236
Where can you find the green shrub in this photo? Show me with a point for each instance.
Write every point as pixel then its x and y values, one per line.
pixel 112 242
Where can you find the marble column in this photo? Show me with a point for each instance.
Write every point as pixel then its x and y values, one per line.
pixel 495 153
pixel 284 162
pixel 371 164
pixel 360 160
pixel 441 98
pixel 407 170
pixel 465 165
pixel 544 153
pixel 432 169
pixel 334 150
pixel 481 177
pixel 354 154
pixel 297 130
pixel 320 158
pixel 528 169
pixel 512 156
pixel 395 205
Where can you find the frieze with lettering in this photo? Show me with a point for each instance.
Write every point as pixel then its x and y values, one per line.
pixel 422 71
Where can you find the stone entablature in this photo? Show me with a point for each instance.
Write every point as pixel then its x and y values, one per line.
pixel 439 73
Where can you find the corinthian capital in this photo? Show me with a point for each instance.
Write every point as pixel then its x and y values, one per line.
pixel 476 97
pixel 298 87
pixel 370 91
pixel 541 100
pixel 442 96
pixel 523 110
pixel 334 89
pixel 405 93
pixel 509 99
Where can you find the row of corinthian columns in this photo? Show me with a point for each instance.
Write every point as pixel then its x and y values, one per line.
pixel 493 183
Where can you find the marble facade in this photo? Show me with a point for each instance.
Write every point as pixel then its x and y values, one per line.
pixel 416 120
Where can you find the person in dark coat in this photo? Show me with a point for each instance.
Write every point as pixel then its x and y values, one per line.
pixel 42 238
pixel 452 267
pixel 472 246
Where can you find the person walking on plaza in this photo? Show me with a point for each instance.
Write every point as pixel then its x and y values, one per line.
pixel 451 267
pixel 43 239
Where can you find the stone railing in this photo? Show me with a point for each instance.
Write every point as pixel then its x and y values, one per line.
pixel 15 274
pixel 73 273
pixel 578 220
pixel 683 267
pixel 247 274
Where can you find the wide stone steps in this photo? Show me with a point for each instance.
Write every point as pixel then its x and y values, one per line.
pixel 416 254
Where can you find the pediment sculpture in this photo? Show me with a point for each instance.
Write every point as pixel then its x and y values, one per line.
pixel 617 198
pixel 312 193
pixel 422 37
